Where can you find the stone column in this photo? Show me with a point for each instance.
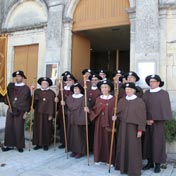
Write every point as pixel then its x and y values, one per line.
pixel 146 33
pixel 54 32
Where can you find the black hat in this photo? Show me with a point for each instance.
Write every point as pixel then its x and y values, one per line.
pixel 77 85
pixel 132 73
pixel 95 76
pixel 118 72
pixel 65 73
pixel 45 79
pixel 106 82
pixel 156 77
pixel 130 85
pixel 86 70
pixel 69 76
pixel 103 71
pixel 19 72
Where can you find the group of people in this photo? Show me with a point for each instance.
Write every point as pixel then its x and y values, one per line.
pixel 139 117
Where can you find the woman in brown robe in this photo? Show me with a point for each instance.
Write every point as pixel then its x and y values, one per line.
pixel 92 93
pixel 69 80
pixel 158 112
pixel 131 114
pixel 76 121
pixel 44 109
pixel 102 114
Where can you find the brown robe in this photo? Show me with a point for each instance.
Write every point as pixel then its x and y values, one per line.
pixel 66 93
pixel 14 128
pixel 91 98
pixel 102 114
pixel 44 107
pixel 158 109
pixel 76 134
pixel 132 117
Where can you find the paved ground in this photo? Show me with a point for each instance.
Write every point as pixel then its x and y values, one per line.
pixel 55 163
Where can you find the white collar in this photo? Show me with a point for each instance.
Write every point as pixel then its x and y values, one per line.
pixel 94 87
pixel 131 97
pixel 77 95
pixel 106 97
pixel 19 84
pixel 156 89
pixel 66 87
pixel 88 80
pixel 44 89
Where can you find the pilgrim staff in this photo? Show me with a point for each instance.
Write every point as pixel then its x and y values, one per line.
pixel 87 134
pixel 113 125
pixel 55 121
pixel 63 115
pixel 31 113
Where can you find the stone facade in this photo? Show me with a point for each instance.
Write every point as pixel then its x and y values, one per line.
pixel 49 23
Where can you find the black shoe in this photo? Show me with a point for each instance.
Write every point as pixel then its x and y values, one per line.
pixel 37 147
pixel 45 148
pixel 157 168
pixel 148 165
pixel 61 146
pixel 20 150
pixel 5 149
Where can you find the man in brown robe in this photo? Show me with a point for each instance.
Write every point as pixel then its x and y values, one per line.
pixel 86 73
pixel 44 109
pixel 19 102
pixel 76 132
pixel 92 93
pixel 131 113
pixel 158 111
pixel 102 114
pixel 69 80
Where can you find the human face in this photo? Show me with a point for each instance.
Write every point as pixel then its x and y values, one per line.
pixel 102 75
pixel 129 91
pixel 116 77
pixel 76 90
pixel 87 74
pixel 69 82
pixel 131 79
pixel 105 89
pixel 154 83
pixel 19 79
pixel 44 85
pixel 94 81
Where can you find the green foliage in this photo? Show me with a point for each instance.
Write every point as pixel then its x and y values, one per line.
pixel 170 127
pixel 27 122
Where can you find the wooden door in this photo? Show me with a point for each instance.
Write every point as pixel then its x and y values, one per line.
pixel 26 59
pixel 80 55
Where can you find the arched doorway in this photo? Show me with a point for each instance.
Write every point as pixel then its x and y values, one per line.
pixel 101 36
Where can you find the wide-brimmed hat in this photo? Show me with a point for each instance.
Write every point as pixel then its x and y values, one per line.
pixel 103 71
pixel 156 77
pixel 130 85
pixel 86 70
pixel 118 72
pixel 132 73
pixel 95 76
pixel 65 73
pixel 19 72
pixel 69 76
pixel 45 79
pixel 108 82
pixel 79 86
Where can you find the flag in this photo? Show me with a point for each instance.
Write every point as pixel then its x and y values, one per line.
pixel 3 63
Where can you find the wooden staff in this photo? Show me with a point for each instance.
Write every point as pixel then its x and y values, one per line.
pixel 63 115
pixel 113 125
pixel 55 121
pixel 87 132
pixel 31 117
